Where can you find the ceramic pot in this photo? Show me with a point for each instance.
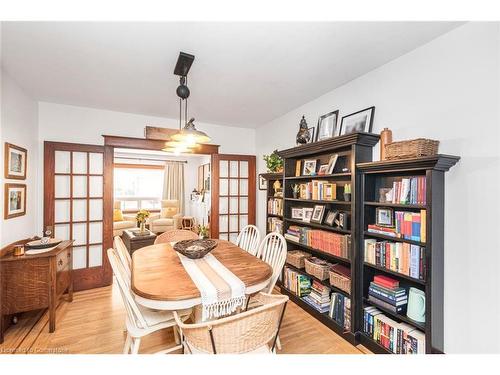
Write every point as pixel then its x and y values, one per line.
pixel 347 197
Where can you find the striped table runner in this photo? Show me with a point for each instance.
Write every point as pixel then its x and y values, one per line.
pixel 221 291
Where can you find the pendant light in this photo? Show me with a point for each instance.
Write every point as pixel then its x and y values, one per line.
pixel 188 137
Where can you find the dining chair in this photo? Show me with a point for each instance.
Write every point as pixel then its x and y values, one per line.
pixel 273 250
pixel 141 321
pixel 249 239
pixel 250 332
pixel 175 235
pixel 123 254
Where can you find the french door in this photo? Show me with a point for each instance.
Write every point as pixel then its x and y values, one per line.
pixel 233 195
pixel 74 206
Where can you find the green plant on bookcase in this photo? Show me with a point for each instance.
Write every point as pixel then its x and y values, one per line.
pixel 274 162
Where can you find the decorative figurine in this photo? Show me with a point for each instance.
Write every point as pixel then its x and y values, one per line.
pixel 303 136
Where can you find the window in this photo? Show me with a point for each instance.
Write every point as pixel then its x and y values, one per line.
pixel 138 188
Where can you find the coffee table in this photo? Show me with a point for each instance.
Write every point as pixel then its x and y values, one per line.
pixel 133 242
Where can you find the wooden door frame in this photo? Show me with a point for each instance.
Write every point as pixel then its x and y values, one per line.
pixel 86 275
pixel 214 177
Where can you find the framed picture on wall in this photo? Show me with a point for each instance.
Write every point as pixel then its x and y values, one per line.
pixel 361 121
pixel 15 162
pixel 262 183
pixel 14 200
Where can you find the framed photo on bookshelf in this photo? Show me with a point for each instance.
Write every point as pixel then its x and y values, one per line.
pixel 309 168
pixel 327 126
pixel 311 132
pixel 330 217
pixel 297 213
pixel 317 216
pixel 323 169
pixel 298 165
pixel 307 214
pixel 331 163
pixel 262 183
pixel 384 217
pixel 360 121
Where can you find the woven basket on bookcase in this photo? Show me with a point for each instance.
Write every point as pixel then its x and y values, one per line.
pixel 340 281
pixel 414 148
pixel 296 258
pixel 318 271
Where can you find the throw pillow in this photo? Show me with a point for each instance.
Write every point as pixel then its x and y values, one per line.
pixel 117 215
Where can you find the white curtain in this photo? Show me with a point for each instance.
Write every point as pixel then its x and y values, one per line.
pixel 173 185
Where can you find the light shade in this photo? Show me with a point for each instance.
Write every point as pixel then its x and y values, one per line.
pixel 190 136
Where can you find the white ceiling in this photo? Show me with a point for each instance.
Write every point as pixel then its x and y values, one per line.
pixel 244 74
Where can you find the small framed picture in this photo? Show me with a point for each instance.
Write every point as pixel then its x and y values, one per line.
pixel 307 214
pixel 323 169
pixel 331 163
pixel 297 213
pixel 15 200
pixel 327 126
pixel 15 162
pixel 384 217
pixel 262 183
pixel 309 168
pixel 330 218
pixel 360 121
pixel 317 216
pixel 312 133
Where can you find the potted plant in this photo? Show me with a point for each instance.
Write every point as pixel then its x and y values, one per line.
pixel 347 192
pixel 141 218
pixel 202 231
pixel 274 162
pixel 295 190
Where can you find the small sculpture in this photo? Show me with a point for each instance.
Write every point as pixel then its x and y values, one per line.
pixel 303 136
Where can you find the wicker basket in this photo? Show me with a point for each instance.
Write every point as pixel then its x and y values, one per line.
pixel 414 148
pixel 296 258
pixel 340 281
pixel 320 271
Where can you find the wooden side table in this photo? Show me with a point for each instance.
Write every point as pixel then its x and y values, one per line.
pixel 133 242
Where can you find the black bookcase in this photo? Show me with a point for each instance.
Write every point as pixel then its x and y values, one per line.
pixel 382 174
pixel 351 149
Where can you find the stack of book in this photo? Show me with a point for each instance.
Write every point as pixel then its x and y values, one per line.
pixel 275 206
pixel 332 243
pixel 409 191
pixel 407 225
pixel 319 297
pixel 399 338
pixel 386 293
pixel 318 190
pixel 296 282
pixel 275 224
pixel 403 258
pixel 340 310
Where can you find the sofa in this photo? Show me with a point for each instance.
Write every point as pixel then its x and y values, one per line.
pixel 121 221
pixel 169 217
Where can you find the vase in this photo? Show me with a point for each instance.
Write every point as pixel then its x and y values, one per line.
pixel 385 139
pixel 347 197
pixel 295 194
pixel 142 227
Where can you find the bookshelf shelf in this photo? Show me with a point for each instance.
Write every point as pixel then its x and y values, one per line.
pixel 395 239
pixel 399 317
pixel 319 253
pixel 428 173
pixel 319 226
pixel 271 196
pixel 396 274
pixel 273 215
pixel 396 205
pixel 350 149
pixel 271 178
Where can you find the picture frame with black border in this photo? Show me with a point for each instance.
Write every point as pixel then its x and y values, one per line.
pixel 318 213
pixel 297 213
pixel 327 126
pixel 360 121
pixel 312 133
pixel 330 217
pixel 384 217
pixel 262 183
pixel 308 211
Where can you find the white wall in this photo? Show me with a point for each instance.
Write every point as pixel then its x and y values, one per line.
pixel 19 127
pixel 446 90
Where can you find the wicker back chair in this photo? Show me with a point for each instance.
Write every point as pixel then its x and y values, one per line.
pixel 253 331
pixel 272 250
pixel 249 239
pixel 175 235
pixel 123 253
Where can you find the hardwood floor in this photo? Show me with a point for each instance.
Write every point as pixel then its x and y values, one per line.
pixel 93 324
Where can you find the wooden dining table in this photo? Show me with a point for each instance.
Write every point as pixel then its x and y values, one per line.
pixel 159 280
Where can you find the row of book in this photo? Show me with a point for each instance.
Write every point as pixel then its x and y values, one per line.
pixel 319 297
pixel 400 257
pixel 407 225
pixel 297 283
pixel 318 190
pixel 332 243
pixel 340 310
pixel 275 206
pixel 399 338
pixel 275 224
pixel 386 293
pixel 409 191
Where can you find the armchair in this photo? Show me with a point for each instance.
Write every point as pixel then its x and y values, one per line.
pixel 169 218
pixel 128 221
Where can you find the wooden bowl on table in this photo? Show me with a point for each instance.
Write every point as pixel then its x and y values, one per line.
pixel 195 249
